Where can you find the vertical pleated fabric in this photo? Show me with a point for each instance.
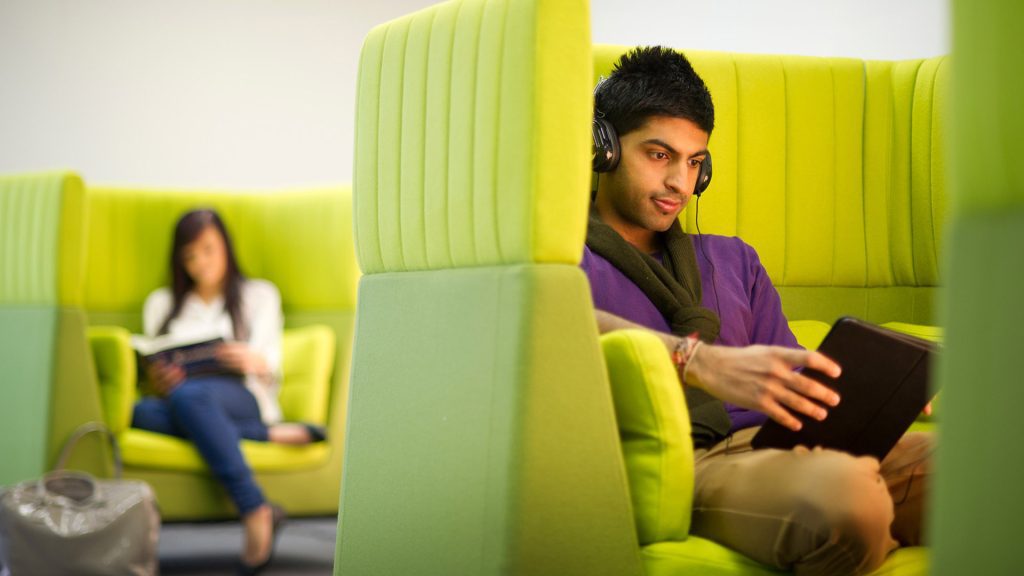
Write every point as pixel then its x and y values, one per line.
pixel 41 248
pixel 832 168
pixel 472 136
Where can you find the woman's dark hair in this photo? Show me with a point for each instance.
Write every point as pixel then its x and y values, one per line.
pixel 189 227
pixel 653 81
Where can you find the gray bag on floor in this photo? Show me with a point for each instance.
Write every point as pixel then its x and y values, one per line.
pixel 72 523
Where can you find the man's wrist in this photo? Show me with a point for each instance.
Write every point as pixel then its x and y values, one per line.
pixel 683 352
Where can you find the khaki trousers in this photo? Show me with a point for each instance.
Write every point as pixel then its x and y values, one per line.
pixel 811 511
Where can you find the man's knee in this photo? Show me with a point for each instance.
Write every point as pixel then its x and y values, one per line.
pixel 852 514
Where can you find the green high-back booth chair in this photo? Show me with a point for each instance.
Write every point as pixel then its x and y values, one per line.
pixel 479 428
pixel 481 435
pixel 41 316
pixel 834 170
pixel 301 240
pixel 978 501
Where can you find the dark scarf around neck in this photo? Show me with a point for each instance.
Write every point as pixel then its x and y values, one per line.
pixel 674 289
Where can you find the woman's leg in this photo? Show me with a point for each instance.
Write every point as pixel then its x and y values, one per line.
pixel 215 414
pixel 154 414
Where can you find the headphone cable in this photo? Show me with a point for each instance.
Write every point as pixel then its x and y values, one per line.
pixel 700 238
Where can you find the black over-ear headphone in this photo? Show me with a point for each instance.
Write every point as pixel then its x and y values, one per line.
pixel 606 153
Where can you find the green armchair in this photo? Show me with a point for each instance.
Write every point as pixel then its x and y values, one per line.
pixel 300 240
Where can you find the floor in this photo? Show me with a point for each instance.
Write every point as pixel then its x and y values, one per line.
pixel 305 546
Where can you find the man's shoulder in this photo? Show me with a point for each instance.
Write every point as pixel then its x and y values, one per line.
pixel 722 242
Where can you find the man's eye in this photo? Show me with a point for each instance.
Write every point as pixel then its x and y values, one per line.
pixel 696 162
pixel 659 155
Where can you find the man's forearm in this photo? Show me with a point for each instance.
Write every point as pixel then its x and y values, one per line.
pixel 608 322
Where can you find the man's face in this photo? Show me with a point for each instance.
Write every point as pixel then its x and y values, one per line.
pixel 654 179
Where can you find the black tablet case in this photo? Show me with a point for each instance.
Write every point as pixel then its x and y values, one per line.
pixel 883 388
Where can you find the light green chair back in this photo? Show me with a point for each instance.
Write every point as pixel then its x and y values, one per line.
pixel 481 437
pixel 832 168
pixel 978 502
pixel 41 275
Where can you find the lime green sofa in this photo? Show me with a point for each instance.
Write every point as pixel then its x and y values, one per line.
pixel 301 240
pixel 485 436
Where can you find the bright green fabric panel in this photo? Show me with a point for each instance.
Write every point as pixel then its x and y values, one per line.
pixel 654 427
pixel 74 399
pixel 472 134
pixel 979 371
pixel 988 117
pixel 479 403
pixel 27 349
pixel 116 372
pixel 910 304
pixel 979 378
pixel 41 224
pixel 299 240
pixel 307 361
pixel 706 558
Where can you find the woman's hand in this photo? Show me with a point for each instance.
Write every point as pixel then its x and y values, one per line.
pixel 241 358
pixel 164 377
pixel 762 378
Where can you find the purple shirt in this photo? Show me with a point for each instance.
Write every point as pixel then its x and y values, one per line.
pixel 741 294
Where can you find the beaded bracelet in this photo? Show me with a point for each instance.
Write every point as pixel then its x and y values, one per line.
pixel 684 351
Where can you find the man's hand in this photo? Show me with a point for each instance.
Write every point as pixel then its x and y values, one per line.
pixel 241 358
pixel 164 377
pixel 762 378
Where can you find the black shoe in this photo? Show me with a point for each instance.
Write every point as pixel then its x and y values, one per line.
pixel 278 519
pixel 317 433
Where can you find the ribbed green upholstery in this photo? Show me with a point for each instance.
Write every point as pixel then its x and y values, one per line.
pixel 41 220
pixel 481 435
pixel 978 502
pixel 277 236
pixel 832 169
pixel 457 124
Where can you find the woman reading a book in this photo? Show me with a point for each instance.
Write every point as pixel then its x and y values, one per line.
pixel 209 294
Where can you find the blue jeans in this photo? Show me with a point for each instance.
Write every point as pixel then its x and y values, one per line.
pixel 214 412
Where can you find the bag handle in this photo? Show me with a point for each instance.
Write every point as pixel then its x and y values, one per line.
pixel 81 432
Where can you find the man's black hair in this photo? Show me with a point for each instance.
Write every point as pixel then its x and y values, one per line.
pixel 653 81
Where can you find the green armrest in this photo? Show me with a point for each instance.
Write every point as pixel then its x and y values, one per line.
pixel 308 358
pixel 658 455
pixel 116 372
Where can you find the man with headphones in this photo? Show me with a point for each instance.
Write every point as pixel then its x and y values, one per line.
pixel 814 512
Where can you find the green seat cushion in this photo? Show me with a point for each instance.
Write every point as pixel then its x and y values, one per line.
pixel 706 558
pixel 151 450
pixel 809 333
pixel 655 429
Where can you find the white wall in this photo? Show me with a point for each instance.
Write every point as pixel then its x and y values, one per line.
pixel 260 93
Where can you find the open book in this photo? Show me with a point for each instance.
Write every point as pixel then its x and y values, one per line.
pixel 196 353
pixel 884 386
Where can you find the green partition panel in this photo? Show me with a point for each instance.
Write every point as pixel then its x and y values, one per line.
pixel 41 224
pixel 481 435
pixel 979 500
